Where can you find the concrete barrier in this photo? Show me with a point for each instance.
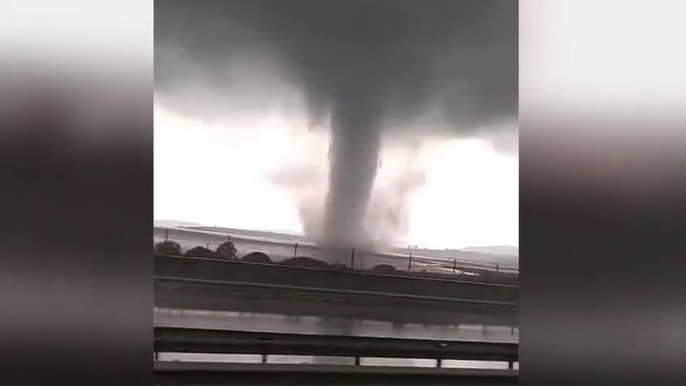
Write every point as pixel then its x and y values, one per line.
pixel 237 271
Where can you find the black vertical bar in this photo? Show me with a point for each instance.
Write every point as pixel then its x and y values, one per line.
pixel 352 260
pixel 295 250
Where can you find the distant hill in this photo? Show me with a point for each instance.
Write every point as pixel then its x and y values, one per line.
pixel 251 233
pixel 465 255
pixel 504 250
pixel 173 223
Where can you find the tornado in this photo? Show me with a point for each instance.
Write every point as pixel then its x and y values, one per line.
pixel 353 160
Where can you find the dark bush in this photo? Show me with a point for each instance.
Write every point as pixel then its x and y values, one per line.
pixel 307 262
pixel 226 250
pixel 257 257
pixel 168 248
pixel 200 252
pixel 383 268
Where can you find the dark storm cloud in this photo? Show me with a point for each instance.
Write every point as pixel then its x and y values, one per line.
pixel 364 67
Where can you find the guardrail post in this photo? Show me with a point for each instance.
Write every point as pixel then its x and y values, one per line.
pixel 439 362
pixel 295 250
pixel 357 361
pixel 352 260
pixel 454 266
pixel 510 365
pixel 264 358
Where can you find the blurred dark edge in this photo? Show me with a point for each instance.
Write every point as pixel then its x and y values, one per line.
pixel 77 205
pixel 602 236
pixel 180 373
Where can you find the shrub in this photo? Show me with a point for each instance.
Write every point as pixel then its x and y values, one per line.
pixel 257 257
pixel 200 252
pixel 168 248
pixel 226 250
pixel 383 268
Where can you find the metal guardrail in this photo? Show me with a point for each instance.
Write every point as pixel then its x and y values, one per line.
pixel 188 340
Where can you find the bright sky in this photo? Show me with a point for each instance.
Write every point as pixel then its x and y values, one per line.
pixel 217 174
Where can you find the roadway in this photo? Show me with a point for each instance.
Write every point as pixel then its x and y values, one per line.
pixel 218 320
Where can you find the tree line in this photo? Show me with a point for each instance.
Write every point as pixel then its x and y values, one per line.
pixel 227 250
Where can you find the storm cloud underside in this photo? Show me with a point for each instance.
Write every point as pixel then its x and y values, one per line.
pixel 366 69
